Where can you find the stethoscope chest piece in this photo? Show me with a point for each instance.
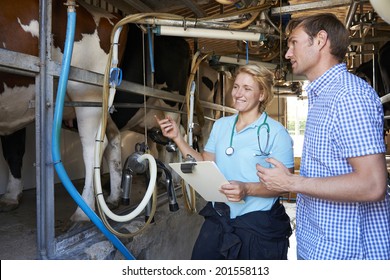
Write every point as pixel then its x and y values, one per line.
pixel 229 151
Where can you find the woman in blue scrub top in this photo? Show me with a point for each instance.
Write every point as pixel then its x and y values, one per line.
pixel 260 227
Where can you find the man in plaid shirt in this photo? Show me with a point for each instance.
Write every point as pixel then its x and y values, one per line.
pixel 343 210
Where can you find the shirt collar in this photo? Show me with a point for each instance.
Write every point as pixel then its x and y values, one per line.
pixel 260 120
pixel 316 86
pixel 256 123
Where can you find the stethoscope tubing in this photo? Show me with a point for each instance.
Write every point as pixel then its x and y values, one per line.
pixel 230 150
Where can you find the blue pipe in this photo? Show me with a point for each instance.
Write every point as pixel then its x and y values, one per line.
pixel 151 49
pixel 247 52
pixel 68 49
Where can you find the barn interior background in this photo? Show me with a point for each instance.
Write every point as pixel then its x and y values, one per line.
pixel 265 18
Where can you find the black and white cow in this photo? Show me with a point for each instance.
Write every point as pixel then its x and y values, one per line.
pixel 382 75
pixel 19 31
pixel 384 66
pixel 365 70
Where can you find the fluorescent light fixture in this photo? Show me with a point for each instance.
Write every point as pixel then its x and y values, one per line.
pixel 208 33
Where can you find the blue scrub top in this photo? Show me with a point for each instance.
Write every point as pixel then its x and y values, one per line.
pixel 241 165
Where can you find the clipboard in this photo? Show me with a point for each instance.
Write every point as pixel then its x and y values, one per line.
pixel 205 177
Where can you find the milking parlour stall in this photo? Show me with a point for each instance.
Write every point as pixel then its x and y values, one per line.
pixel 67 225
pixel 85 172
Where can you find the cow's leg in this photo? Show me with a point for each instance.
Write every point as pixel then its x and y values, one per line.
pixel 13 150
pixel 88 119
pixel 112 154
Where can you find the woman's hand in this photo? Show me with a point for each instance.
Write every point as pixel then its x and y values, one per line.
pixel 235 191
pixel 168 127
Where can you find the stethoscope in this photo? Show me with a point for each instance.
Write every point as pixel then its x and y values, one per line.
pixel 230 150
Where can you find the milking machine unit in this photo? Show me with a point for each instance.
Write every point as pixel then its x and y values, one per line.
pixel 132 167
pixel 173 206
pixel 112 80
pixel 134 163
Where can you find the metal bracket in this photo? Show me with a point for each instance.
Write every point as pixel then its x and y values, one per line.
pixel 188 164
pixel 187 167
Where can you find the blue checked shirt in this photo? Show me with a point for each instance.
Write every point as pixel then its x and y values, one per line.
pixel 345 120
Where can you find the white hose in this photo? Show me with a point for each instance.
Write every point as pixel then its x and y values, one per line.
pixel 191 115
pixel 115 59
pixel 99 153
pixel 145 200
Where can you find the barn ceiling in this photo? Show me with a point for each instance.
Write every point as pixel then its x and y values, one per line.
pixel 368 30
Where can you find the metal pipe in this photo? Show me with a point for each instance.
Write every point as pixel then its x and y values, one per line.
pixel 219 23
pixel 88 77
pixel 173 205
pixel 44 173
pixel 351 13
pixel 208 33
pixel 385 98
pixel 126 183
pixel 191 114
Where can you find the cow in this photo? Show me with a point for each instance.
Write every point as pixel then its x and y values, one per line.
pixel 172 60
pixel 382 76
pixel 365 70
pixel 383 61
pixel 19 23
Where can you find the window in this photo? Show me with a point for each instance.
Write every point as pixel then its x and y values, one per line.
pixel 296 121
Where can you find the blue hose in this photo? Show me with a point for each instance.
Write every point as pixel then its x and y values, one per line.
pixel 68 49
pixel 151 50
pixel 247 52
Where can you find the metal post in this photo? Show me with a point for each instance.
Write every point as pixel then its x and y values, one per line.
pixel 43 123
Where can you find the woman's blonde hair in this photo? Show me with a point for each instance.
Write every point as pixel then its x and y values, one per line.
pixel 265 79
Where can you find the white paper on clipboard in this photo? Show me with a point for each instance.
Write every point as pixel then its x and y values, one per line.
pixel 206 179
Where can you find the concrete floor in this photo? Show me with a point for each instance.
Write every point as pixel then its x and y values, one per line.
pixel 18 228
pixel 18 233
